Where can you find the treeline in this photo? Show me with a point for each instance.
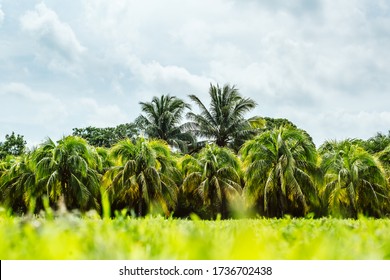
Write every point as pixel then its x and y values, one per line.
pixel 217 162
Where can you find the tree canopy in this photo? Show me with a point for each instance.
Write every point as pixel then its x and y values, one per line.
pixel 13 145
pixel 280 167
pixel 224 121
pixel 162 120
pixel 108 136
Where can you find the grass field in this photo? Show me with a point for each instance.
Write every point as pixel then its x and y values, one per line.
pixel 92 238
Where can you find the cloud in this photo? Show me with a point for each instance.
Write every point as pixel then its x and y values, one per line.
pixel 57 36
pixel 351 124
pixel 170 78
pixel 95 114
pixel 338 124
pixel 33 113
pixel 2 15
pixel 29 106
pixel 42 112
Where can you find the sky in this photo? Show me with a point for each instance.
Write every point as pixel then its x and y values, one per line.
pixel 322 64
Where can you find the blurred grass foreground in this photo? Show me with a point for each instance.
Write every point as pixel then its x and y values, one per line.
pixel 152 238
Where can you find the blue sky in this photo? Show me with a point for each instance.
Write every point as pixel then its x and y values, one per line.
pixel 325 65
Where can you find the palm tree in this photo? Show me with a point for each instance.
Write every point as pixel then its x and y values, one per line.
pixel 213 178
pixel 143 177
pixel 162 120
pixel 104 159
pixel 224 121
pixel 355 181
pixel 69 170
pixel 377 143
pixel 384 157
pixel 17 183
pixel 280 165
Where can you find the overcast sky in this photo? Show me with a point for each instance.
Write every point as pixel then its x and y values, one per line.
pixel 324 65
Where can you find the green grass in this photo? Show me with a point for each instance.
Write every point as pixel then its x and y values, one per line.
pixel 71 237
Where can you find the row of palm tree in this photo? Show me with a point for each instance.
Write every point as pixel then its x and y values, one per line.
pixel 277 173
pixel 269 167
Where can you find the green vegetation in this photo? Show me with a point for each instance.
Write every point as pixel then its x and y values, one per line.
pixel 162 121
pixel 211 181
pixel 107 137
pixel 242 167
pixel 248 189
pixel 224 121
pixel 355 181
pixel 13 145
pixel 69 237
pixel 143 177
pixel 280 172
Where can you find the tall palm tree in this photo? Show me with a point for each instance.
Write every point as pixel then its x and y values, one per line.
pixel 143 177
pixel 355 181
pixel 162 120
pixel 69 170
pixel 224 121
pixel 280 165
pixel 212 177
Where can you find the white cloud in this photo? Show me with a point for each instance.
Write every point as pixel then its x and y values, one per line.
pixel 170 77
pixel 34 114
pixel 45 25
pixel 30 106
pixel 146 79
pixel 348 124
pixel 1 16
pixel 339 124
pixel 95 114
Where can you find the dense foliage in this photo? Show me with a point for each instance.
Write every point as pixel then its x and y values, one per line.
pixel 224 122
pixel 256 166
pixel 162 120
pixel 108 136
pixel 13 145
pixel 280 172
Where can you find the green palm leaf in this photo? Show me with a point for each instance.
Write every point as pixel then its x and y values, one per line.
pixel 280 165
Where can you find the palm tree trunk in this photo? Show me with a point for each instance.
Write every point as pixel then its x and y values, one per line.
pixel 224 212
pixel 140 206
pixel 282 203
